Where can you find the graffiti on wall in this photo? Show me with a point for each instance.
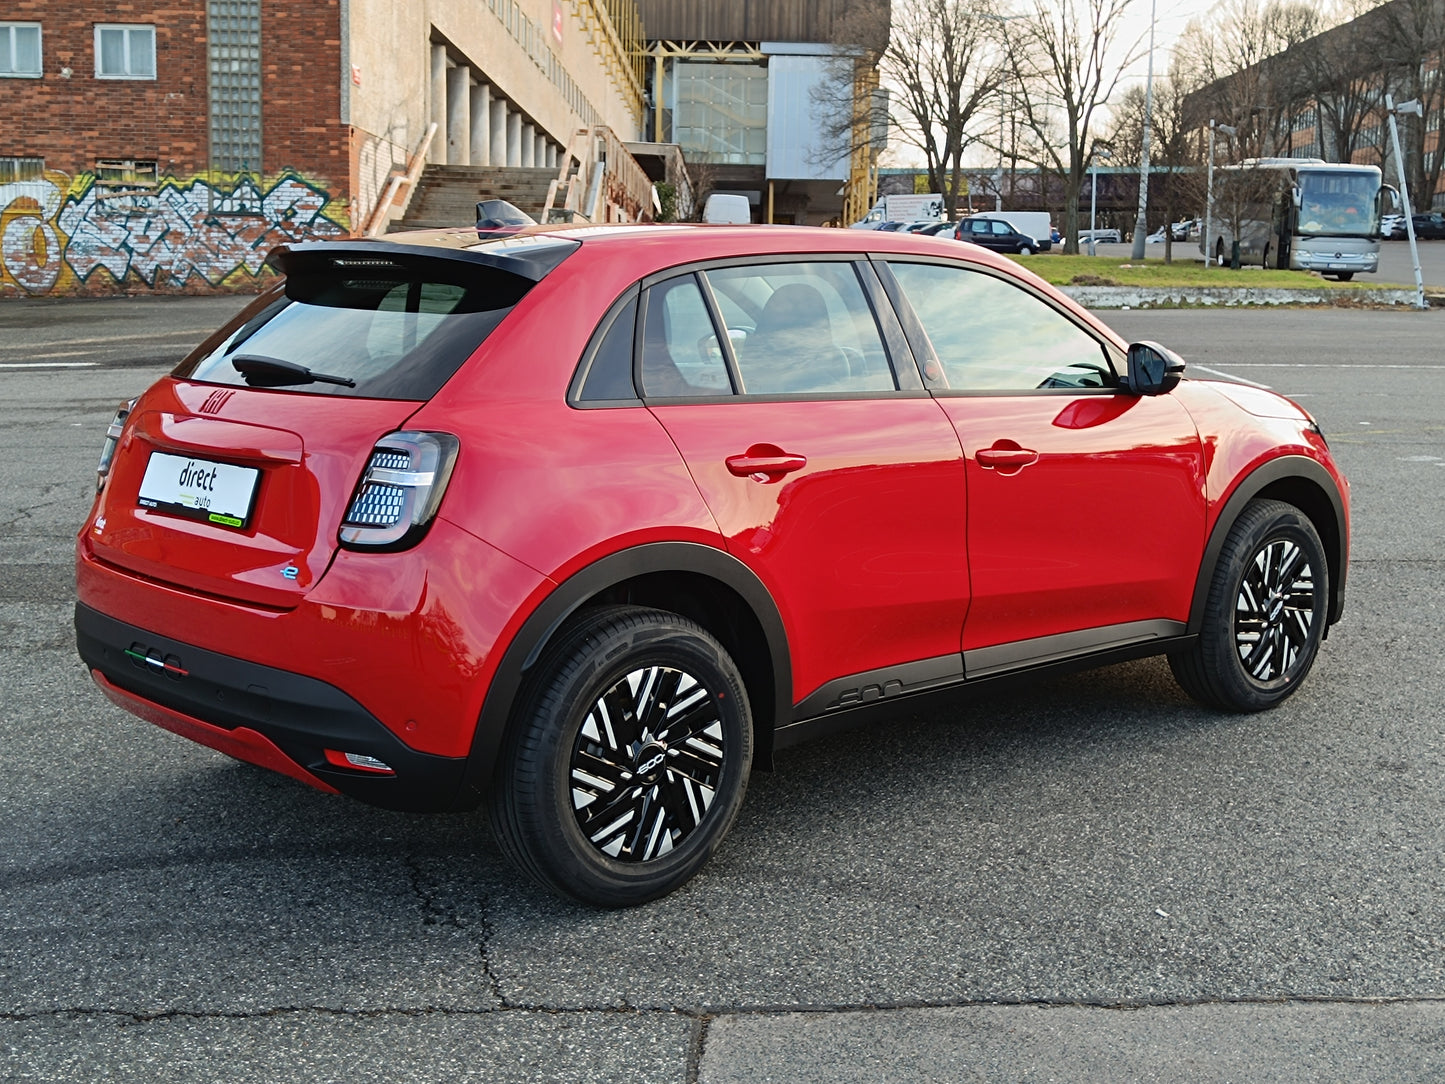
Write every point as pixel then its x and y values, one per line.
pixel 60 234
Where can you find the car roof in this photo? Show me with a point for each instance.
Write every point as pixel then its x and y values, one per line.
pixel 634 251
pixel 689 241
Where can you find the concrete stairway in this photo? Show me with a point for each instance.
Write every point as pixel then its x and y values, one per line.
pixel 448 195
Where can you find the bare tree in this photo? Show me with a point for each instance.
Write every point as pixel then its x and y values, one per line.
pixel 1236 56
pixel 1339 71
pixel 1413 51
pixel 1067 63
pixel 943 68
pixel 1175 146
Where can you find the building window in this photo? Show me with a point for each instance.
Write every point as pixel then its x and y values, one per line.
pixel 20 50
pixel 117 174
pixel 125 52
pixel 18 170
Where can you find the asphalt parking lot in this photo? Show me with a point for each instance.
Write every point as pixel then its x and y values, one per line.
pixel 1087 878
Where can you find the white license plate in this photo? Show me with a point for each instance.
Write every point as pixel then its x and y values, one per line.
pixel 218 493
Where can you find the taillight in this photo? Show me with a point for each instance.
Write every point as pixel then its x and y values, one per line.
pixel 112 438
pixel 400 491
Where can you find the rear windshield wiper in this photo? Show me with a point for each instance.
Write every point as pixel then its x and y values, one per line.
pixel 263 372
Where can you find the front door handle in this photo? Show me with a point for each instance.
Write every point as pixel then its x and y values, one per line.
pixel 765 463
pixel 1006 457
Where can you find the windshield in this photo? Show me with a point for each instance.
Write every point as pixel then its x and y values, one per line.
pixel 1339 204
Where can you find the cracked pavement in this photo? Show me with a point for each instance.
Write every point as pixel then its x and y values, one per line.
pixel 1088 877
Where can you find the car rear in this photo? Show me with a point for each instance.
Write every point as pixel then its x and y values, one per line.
pixel 263 568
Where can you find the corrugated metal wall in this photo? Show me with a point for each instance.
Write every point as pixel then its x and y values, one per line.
pixel 739 20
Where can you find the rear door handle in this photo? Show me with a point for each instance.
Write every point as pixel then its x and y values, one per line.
pixel 765 463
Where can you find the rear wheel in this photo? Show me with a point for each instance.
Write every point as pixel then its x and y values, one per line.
pixel 1265 613
pixel 629 761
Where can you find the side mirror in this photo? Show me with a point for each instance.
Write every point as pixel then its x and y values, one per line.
pixel 1296 195
pixel 1153 369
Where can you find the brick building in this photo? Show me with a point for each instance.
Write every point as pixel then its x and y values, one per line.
pixel 171 145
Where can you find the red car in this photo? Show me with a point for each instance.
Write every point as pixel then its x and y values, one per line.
pixel 585 523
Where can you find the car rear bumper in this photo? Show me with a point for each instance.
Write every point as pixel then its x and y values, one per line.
pixel 260 714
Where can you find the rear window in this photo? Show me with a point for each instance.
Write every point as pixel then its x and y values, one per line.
pixel 370 326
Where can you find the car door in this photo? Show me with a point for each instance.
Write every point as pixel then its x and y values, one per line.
pixel 1003 237
pixel 1085 503
pixel 828 467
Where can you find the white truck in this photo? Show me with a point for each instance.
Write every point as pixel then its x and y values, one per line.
pixel 902 208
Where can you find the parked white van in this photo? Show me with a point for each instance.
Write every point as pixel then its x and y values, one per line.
pixel 727 210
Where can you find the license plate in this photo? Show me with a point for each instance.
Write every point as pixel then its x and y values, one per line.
pixel 218 493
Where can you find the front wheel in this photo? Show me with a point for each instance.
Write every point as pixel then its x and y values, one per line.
pixel 1024 250
pixel 1264 615
pixel 629 760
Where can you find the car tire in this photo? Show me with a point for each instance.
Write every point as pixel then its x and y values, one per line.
pixel 1264 615
pixel 1024 250
pixel 625 694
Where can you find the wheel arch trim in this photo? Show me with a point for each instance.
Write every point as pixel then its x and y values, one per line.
pixel 1296 469
pixel 542 625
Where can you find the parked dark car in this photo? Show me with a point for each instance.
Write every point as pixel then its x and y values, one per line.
pixel 1429 227
pixel 996 234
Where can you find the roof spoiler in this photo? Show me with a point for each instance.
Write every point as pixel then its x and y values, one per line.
pixel 530 258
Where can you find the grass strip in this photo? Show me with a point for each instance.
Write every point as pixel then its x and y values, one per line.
pixel 1063 270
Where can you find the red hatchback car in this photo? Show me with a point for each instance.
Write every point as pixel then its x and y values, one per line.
pixel 585 523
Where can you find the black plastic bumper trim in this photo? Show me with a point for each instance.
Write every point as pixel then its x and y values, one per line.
pixel 303 716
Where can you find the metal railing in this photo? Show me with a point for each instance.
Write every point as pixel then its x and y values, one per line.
pixel 377 221
pixel 598 181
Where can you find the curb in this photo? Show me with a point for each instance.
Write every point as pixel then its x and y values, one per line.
pixel 1146 297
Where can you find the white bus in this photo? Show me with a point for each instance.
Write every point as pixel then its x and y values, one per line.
pixel 1301 213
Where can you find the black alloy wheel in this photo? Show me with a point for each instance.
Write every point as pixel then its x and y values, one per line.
pixel 1265 613
pixel 629 759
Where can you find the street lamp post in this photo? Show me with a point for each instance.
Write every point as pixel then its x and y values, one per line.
pixel 1231 131
pixel 1141 224
pixel 1106 154
pixel 1413 106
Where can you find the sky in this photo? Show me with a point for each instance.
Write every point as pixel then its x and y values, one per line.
pixel 1171 16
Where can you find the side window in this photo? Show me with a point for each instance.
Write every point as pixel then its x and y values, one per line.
pixel 801 328
pixel 993 336
pixel 1001 227
pixel 680 352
